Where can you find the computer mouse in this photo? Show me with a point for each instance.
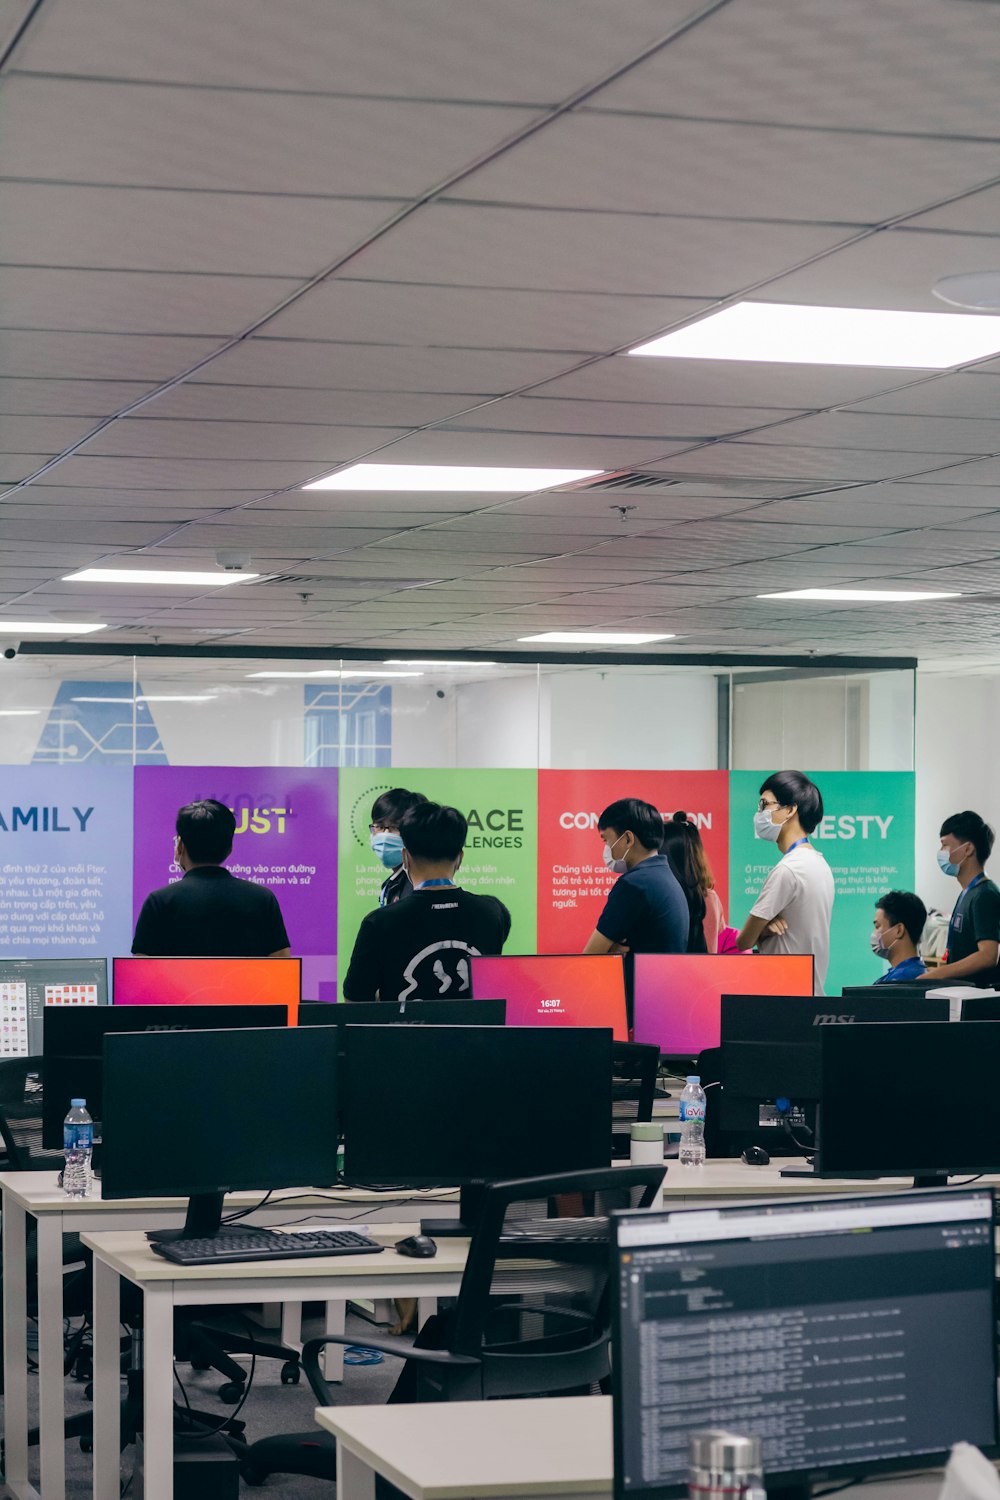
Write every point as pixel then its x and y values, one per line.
pixel 420 1246
pixel 756 1156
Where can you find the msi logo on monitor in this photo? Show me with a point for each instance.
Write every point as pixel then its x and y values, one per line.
pixel 833 1020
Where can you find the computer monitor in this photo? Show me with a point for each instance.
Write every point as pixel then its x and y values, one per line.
pixel 853 1335
pixel 460 1106
pixel 769 1067
pixel 73 1042
pixel 209 981
pixel 879 1086
pixel 556 989
pixel 30 985
pixel 678 996
pixel 194 1114
pixel 404 1013
pixel 983 1006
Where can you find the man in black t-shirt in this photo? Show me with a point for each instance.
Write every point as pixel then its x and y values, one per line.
pixel 420 948
pixel 974 929
pixel 210 913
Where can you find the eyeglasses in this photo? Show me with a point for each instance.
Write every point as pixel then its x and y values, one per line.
pixel 383 828
pixel 762 805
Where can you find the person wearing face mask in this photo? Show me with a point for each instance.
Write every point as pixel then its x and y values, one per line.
pixel 386 843
pixel 792 912
pixel 419 949
pixel 974 929
pixel 900 917
pixel 646 910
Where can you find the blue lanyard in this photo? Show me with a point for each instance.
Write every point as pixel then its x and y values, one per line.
pixel 425 885
pixel 804 840
pixel 956 915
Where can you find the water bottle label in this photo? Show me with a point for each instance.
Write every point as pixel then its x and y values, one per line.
pixel 78 1137
pixel 692 1109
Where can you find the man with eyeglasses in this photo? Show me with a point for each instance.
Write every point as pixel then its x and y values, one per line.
pixel 388 812
pixel 792 913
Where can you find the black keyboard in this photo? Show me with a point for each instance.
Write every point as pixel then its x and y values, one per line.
pixel 230 1246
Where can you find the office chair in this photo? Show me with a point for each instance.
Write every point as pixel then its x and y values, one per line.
pixel 532 1316
pixel 633 1086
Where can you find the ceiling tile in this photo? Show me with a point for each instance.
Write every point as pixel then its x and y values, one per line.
pixel 99 356
pixel 854 429
pixel 136 135
pixel 441 446
pixel 616 418
pixel 721 383
pixel 134 302
pixel 639 164
pixel 141 436
pixel 200 400
pixel 927 68
pixel 267 361
pixel 69 398
pixel 963 395
pixel 443 49
pixel 749 458
pixel 144 230
pixel 469 245
pixel 979 213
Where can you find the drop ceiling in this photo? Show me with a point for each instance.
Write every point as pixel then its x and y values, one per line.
pixel 243 245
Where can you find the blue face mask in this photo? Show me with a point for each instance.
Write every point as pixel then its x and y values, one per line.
pixel 388 847
pixel 946 865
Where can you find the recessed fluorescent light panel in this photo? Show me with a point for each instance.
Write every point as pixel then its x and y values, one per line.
pixel 155 698
pixel 860 596
pixel 373 672
pixel 595 638
pixel 176 578
pixel 787 334
pixel 399 661
pixel 48 627
pixel 462 479
pixel 19 713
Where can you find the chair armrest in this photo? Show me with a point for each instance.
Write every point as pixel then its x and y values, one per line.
pixel 320 1389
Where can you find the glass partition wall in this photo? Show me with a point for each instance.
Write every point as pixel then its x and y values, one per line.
pixel 163 710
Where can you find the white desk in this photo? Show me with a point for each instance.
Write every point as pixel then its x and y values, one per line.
pixel 38 1196
pixel 728 1179
pixel 499 1450
pixel 166 1286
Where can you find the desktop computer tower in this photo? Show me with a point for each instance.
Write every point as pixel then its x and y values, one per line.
pixel 204 1469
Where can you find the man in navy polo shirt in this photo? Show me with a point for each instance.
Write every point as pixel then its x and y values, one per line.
pixel 646 910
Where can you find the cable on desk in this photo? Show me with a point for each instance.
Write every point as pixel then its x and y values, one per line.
pixel 243 1213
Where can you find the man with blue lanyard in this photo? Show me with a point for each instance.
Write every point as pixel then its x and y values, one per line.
pixel 419 949
pixel 974 929
pixel 900 917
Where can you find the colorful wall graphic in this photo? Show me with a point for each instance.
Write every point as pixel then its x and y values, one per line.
pixel 286 838
pixel 69 836
pixel 65 861
pixel 500 856
pixel 573 880
pixel 867 838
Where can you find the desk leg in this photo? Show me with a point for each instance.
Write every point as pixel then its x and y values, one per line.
pixel 355 1479
pixel 290 1323
pixel 158 1368
pixel 51 1381
pixel 15 1346
pixel 107 1383
pixel 332 1361
pixel 426 1308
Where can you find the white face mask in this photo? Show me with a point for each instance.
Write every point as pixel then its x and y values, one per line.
pixel 878 946
pixel 617 865
pixel 763 827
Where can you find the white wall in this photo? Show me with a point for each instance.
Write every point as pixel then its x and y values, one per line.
pixel 958 743
pixel 499 723
pixel 667 721
pixel 423 725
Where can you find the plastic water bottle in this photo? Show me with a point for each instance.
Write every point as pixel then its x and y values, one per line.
pixel 692 1101
pixel 78 1148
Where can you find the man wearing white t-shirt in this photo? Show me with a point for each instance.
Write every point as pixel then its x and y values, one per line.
pixel 792 912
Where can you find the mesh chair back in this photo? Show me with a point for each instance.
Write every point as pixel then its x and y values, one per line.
pixel 21 1116
pixel 534 1303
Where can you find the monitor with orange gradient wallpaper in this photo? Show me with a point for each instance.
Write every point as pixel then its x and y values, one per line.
pixel 209 981
pixel 555 989
pixel 677 997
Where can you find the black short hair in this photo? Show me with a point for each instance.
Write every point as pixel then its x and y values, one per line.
pixel 206 829
pixel 630 815
pixel 905 907
pixel 969 828
pixel 433 833
pixel 392 805
pixel 794 789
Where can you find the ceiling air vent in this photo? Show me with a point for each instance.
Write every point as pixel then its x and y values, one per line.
pixel 331 581
pixel 630 480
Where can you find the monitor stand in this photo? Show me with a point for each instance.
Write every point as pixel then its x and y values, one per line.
pixel 204 1217
pixel 470 1204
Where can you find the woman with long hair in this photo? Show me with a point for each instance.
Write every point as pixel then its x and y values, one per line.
pixel 684 849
